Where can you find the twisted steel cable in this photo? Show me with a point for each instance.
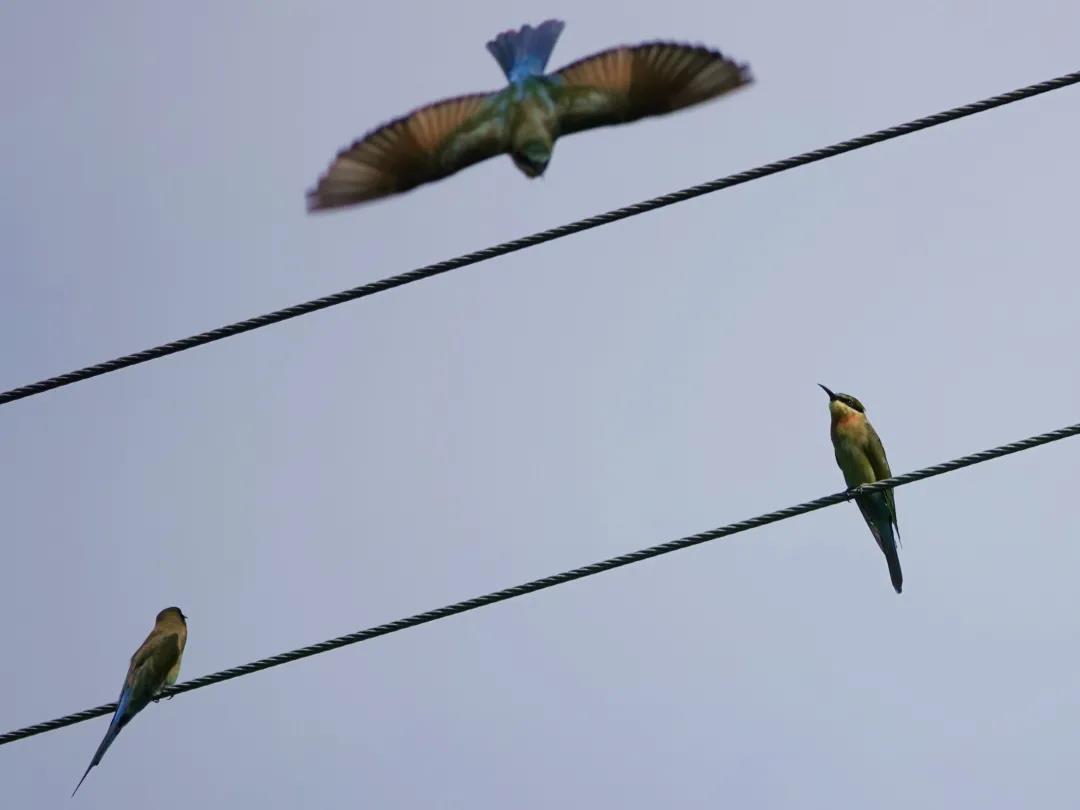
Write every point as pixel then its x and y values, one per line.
pixel 535 239
pixel 559 579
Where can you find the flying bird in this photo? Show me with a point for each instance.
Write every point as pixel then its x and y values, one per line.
pixel 861 458
pixel 155 665
pixel 525 118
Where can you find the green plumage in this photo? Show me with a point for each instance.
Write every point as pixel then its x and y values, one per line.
pixel 525 118
pixel 861 458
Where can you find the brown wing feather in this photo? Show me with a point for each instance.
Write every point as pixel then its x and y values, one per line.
pixel 427 144
pixel 627 83
pixel 157 655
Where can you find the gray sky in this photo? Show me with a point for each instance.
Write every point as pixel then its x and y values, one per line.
pixel 589 397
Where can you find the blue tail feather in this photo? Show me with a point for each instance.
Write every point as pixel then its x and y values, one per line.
pixel 120 719
pixel 525 52
pixel 878 516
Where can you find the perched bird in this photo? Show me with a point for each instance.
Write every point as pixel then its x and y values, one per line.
pixel 862 460
pixel 155 665
pixel 525 119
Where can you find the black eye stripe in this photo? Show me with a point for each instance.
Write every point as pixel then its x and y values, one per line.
pixel 851 402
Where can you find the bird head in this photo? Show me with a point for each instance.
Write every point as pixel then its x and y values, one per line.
pixel 171 614
pixel 532 157
pixel 840 404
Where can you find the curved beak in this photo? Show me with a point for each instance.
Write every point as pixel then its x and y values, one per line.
pixel 832 396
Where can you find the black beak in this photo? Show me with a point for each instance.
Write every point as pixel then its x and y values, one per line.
pixel 832 396
pixel 529 167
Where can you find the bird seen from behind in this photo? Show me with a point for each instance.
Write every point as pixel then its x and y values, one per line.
pixel 155 665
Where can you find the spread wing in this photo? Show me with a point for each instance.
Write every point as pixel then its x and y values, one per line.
pixel 425 145
pixel 627 83
pixel 876 454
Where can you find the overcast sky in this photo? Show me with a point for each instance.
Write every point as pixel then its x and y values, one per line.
pixel 541 411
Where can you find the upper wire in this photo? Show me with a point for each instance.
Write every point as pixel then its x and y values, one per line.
pixel 535 239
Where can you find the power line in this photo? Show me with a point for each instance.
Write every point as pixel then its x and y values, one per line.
pixel 559 579
pixel 535 239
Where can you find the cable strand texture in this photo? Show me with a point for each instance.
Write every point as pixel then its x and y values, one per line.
pixel 535 239
pixel 559 579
